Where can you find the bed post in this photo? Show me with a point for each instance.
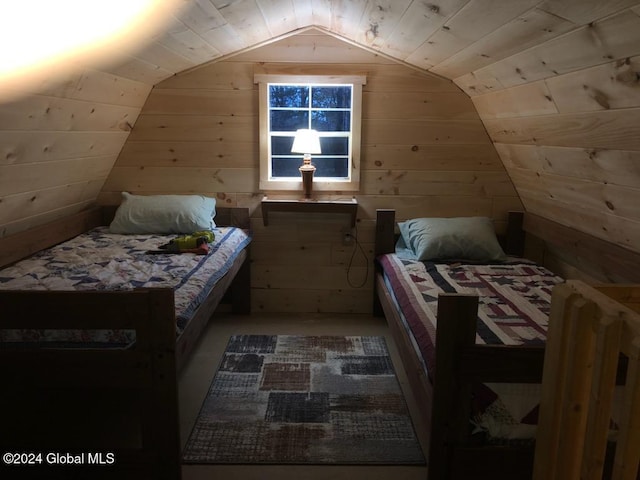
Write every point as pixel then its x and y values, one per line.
pixel 515 237
pixel 161 426
pixel 241 289
pixel 384 243
pixel 450 412
pixel 385 231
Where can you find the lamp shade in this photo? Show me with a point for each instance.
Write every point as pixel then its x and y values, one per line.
pixel 306 141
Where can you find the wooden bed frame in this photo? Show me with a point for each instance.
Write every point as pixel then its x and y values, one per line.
pixel 461 363
pixel 146 373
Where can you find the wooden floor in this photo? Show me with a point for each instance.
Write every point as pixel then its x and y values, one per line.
pixel 198 373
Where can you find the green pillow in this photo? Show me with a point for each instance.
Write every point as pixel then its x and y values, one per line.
pixel 163 214
pixel 459 238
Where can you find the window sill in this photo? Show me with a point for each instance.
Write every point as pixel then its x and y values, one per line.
pixel 349 207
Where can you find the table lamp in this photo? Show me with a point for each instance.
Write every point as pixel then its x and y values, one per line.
pixel 306 142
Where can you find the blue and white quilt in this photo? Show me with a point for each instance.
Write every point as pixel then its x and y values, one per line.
pixel 100 260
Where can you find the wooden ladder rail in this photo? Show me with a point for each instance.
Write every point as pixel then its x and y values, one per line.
pixel 588 332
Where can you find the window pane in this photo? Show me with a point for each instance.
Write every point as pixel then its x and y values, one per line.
pixel 327 121
pixel 288 96
pixel 331 167
pixel 285 167
pixel 281 145
pixel 334 145
pixel 288 120
pixel 331 97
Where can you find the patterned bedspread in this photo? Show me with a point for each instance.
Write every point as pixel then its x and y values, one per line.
pixel 99 260
pixel 514 303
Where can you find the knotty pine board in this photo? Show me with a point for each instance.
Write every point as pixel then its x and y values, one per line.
pixel 473 22
pixel 154 60
pixel 140 69
pixel 609 39
pixel 527 30
pixel 599 197
pixel 610 129
pixel 31 177
pixel 522 101
pixel 609 86
pixel 606 226
pixel 201 101
pixel 417 24
pixel 441 183
pixel 35 147
pixel 26 223
pixel 415 106
pixel 195 128
pixel 617 167
pixel 178 37
pixel 190 154
pixel 183 179
pixel 421 157
pixel 236 75
pixel 209 24
pixel 378 22
pixel 24 205
pixel 583 12
pixel 41 112
pixel 318 48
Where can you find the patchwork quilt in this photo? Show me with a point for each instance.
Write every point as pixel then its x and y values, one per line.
pixel 100 260
pixel 514 303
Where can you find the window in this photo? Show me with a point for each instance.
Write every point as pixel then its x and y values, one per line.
pixel 329 105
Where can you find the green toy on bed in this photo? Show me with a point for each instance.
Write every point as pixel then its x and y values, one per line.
pixel 197 243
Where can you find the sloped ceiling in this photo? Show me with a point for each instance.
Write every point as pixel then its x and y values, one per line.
pixel 452 38
pixel 555 83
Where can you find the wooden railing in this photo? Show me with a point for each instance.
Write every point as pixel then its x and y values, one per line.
pixel 594 335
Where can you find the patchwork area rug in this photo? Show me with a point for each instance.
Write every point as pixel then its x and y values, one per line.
pixel 304 400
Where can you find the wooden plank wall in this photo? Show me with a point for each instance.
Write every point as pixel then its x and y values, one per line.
pixel 565 119
pixel 425 152
pixel 58 142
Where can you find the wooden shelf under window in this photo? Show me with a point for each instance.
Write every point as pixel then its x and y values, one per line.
pixel 349 207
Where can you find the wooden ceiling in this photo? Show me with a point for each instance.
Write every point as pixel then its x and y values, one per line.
pixel 451 38
pixel 555 84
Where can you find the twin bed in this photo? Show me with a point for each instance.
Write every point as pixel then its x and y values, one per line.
pixel 477 372
pixel 99 319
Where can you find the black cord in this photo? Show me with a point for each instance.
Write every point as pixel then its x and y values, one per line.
pixel 353 254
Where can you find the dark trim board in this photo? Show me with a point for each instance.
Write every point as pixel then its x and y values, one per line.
pixel 21 245
pixel 147 372
pixel 615 261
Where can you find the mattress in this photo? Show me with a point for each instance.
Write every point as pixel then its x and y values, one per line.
pixel 514 300
pixel 100 260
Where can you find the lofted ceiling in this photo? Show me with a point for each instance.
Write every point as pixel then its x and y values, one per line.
pixel 556 84
pixel 451 38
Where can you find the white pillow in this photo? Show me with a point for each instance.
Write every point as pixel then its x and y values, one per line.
pixel 164 214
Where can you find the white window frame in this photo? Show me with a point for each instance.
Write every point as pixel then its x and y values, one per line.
pixel 319 184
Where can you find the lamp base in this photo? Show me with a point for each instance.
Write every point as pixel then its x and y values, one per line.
pixel 307 170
